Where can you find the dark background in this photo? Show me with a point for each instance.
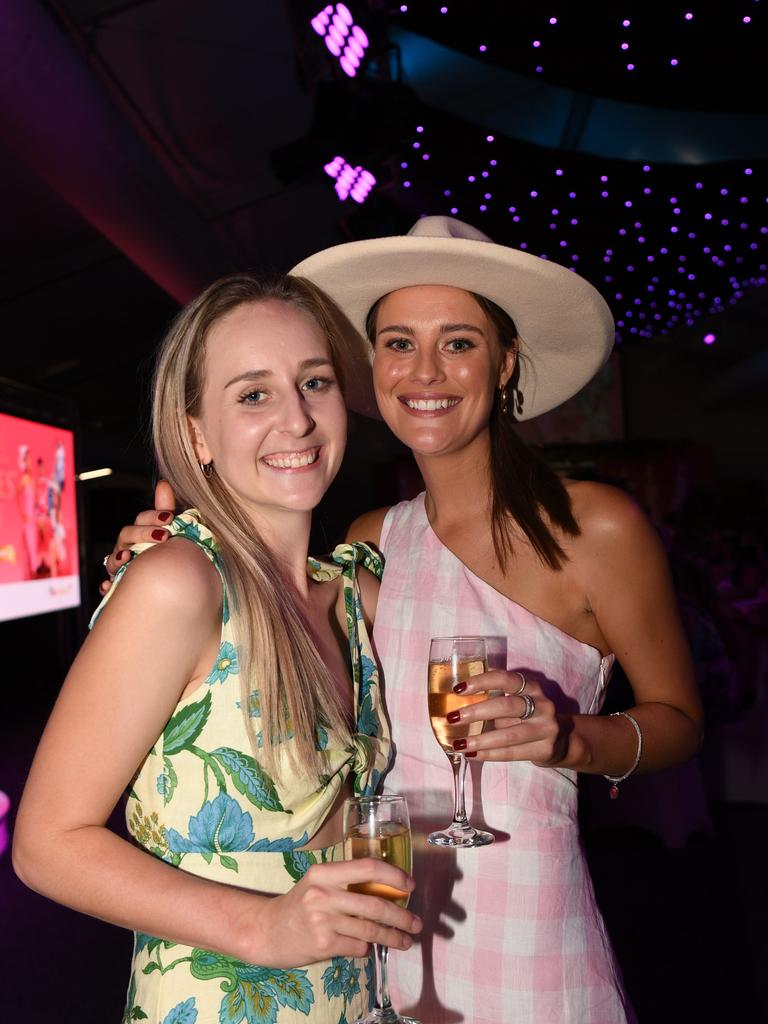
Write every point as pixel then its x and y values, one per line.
pixel 147 147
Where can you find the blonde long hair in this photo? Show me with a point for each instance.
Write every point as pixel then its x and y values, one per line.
pixel 277 654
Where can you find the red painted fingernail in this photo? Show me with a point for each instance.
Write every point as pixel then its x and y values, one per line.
pixel 459 687
pixel 164 517
pixel 159 534
pixel 460 745
pixel 453 717
pixel 471 753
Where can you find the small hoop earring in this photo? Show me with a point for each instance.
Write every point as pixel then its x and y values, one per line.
pixel 207 469
pixel 503 397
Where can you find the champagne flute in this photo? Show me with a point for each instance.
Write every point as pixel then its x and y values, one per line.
pixel 453 659
pixel 378 826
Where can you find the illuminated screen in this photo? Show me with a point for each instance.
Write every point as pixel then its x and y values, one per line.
pixel 39 569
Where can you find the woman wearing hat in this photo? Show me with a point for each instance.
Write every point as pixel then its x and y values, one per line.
pixel 467 337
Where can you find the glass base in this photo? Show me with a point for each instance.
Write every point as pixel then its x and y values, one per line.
pixel 461 836
pixel 387 1015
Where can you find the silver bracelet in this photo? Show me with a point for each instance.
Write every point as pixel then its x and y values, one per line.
pixel 616 779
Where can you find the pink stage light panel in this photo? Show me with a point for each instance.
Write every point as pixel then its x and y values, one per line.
pixel 351 182
pixel 343 38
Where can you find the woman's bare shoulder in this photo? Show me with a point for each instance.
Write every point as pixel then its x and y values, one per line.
pixel 605 512
pixel 172 576
pixel 367 527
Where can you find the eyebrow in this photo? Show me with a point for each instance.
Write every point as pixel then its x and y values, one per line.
pixel 255 375
pixel 444 329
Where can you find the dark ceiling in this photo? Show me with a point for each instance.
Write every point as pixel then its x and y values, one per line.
pixel 147 146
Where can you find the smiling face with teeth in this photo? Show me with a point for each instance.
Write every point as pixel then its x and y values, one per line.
pixel 437 363
pixel 272 417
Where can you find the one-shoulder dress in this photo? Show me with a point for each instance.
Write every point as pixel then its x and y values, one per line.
pixel 203 802
pixel 512 932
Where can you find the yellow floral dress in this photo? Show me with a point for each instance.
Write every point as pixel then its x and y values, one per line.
pixel 202 802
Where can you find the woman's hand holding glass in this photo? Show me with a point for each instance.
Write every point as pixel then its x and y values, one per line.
pixel 319 918
pixel 525 723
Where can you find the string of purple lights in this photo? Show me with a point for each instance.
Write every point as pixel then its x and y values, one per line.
pixel 666 245
pixel 674 30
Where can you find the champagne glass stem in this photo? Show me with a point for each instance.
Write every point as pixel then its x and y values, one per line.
pixel 459 766
pixel 383 1003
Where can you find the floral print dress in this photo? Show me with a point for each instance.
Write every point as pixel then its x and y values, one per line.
pixel 202 802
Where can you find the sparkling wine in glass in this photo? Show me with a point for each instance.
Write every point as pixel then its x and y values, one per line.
pixel 452 660
pixel 378 826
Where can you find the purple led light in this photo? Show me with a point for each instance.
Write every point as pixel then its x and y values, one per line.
pixel 625 46
pixel 630 67
pixel 483 48
pixel 674 62
pixel 553 21
pixel 626 23
pixel 342 37
pixel 536 43
pixel 710 338
pixel 489 138
pixel 688 15
pixel 559 172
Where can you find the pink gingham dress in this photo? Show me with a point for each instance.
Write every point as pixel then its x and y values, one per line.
pixel 512 933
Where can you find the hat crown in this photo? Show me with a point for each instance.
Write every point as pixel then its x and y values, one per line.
pixel 446 227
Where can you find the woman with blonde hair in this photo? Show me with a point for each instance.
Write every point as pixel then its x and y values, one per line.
pixel 466 337
pixel 247 673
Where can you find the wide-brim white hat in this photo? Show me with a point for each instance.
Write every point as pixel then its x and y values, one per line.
pixel 565 328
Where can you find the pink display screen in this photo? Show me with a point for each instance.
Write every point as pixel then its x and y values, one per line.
pixel 39 567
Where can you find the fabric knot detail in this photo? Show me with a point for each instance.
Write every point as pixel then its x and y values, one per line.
pixel 347 556
pixel 363 754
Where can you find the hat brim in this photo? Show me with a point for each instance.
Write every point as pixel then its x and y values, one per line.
pixel 565 326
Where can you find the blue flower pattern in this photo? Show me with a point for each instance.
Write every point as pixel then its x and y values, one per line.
pixel 220 827
pixel 226 664
pixel 182 1013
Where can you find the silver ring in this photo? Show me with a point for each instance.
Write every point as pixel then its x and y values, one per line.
pixel 106 567
pixel 530 707
pixel 522 684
